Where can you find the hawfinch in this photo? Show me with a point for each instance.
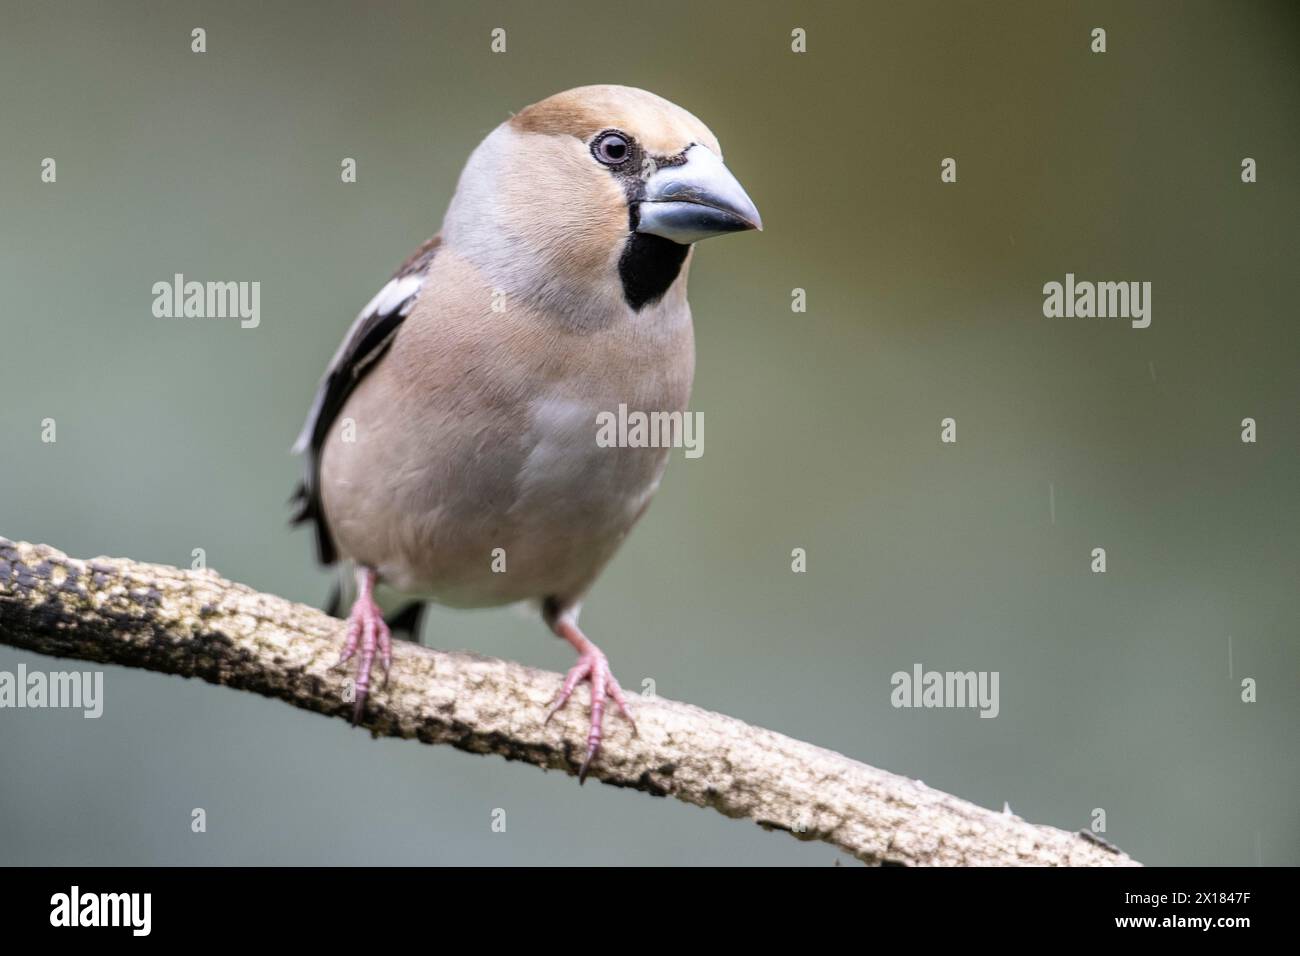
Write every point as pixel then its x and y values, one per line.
pixel 454 434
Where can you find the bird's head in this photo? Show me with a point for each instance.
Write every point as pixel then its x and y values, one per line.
pixel 592 195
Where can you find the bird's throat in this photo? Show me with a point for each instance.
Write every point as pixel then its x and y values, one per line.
pixel 648 266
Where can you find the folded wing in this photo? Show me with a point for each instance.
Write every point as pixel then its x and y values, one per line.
pixel 365 344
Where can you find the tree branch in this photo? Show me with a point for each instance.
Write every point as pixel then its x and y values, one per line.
pixel 196 624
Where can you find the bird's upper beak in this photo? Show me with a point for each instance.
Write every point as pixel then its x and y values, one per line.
pixel 695 200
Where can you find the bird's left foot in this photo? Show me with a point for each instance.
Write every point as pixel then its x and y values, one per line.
pixel 592 667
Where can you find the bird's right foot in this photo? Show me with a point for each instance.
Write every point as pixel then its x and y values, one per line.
pixel 368 631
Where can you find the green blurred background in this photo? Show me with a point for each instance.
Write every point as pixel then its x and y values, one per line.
pixel 924 301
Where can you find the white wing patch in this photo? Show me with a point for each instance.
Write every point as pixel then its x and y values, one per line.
pixel 397 297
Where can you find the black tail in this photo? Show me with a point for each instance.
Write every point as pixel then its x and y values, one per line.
pixel 406 620
pixel 334 603
pixel 308 508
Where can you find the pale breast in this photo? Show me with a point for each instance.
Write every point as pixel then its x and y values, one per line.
pixel 474 474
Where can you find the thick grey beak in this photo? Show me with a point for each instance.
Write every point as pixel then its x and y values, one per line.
pixel 695 200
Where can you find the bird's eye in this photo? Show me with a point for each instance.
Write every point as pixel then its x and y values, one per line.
pixel 612 149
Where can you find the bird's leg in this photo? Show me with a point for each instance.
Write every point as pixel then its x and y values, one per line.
pixel 366 627
pixel 593 667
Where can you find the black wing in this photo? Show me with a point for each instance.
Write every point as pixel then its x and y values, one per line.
pixel 366 342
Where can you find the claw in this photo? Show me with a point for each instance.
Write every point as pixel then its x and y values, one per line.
pixel 586 765
pixel 385 651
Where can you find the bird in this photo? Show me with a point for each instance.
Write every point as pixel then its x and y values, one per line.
pixel 450 451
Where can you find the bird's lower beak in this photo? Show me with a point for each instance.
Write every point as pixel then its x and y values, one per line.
pixel 695 200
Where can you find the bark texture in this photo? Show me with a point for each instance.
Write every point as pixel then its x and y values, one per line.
pixel 196 624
